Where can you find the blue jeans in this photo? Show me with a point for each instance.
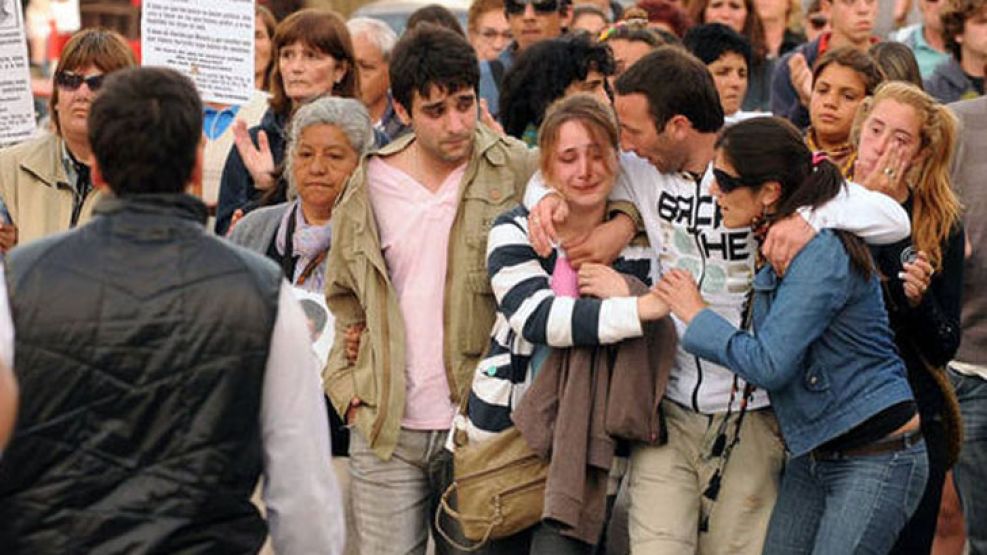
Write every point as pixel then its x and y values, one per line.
pixel 848 505
pixel 970 472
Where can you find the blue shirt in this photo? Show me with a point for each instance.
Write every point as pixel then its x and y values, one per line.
pixel 928 58
pixel 216 122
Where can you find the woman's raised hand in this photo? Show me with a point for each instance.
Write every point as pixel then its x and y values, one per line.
pixel 257 159
pixel 886 175
pixel 550 210
pixel 916 277
pixel 679 290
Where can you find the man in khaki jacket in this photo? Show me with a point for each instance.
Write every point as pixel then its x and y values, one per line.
pixel 408 262
pixel 45 183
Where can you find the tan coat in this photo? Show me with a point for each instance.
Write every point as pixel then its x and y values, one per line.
pixel 35 189
pixel 359 289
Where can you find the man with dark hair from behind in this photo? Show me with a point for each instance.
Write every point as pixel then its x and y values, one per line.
pixel 161 369
pixel 408 264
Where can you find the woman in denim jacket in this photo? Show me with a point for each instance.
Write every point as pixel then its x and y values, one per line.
pixel 820 344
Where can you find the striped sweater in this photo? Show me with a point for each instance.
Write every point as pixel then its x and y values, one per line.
pixel 531 318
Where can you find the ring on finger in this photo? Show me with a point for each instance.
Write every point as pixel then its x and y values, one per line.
pixel 889 171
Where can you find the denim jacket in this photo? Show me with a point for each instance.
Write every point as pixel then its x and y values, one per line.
pixel 820 345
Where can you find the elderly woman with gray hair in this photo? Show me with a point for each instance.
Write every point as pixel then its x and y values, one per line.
pixel 325 142
pixel 326 139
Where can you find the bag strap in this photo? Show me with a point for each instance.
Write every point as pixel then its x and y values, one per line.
pixel 444 507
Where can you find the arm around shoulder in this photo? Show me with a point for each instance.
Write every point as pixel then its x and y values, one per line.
pixel 874 217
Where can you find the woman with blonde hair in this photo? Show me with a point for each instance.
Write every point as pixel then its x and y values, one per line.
pixel 905 144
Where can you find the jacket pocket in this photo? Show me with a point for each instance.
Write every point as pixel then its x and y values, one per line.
pixel 480 311
pixel 364 377
pixel 818 394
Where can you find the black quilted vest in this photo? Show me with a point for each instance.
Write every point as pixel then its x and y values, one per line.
pixel 141 343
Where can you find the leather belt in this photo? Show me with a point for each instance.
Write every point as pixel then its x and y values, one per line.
pixel 885 445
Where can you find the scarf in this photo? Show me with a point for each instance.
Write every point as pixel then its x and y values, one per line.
pixel 309 245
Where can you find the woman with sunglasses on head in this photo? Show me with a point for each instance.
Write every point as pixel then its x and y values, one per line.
pixel 905 145
pixel 818 341
pixel 46 183
pixel 313 56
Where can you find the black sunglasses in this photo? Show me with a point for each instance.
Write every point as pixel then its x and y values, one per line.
pixel 71 81
pixel 515 7
pixel 818 22
pixel 727 182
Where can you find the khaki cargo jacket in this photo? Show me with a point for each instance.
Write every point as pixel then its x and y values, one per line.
pixel 36 191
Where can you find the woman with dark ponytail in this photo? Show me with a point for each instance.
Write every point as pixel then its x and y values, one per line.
pixel 817 339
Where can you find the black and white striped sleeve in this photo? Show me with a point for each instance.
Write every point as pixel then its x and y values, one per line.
pixel 520 282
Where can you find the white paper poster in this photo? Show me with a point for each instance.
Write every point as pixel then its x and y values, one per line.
pixel 210 42
pixel 16 102
pixel 321 324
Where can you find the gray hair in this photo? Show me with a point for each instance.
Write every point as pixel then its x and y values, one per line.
pixel 348 115
pixel 377 32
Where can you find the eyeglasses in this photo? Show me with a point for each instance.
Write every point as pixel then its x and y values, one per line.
pixel 493 34
pixel 727 183
pixel 72 82
pixel 516 7
pixel 818 22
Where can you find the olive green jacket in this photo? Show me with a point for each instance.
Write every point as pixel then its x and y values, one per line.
pixel 359 289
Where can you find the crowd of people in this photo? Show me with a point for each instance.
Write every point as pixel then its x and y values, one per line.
pixel 707 269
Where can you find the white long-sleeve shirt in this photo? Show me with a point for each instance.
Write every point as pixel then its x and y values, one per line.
pixel 304 507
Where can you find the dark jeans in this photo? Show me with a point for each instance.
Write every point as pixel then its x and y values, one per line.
pixel 920 531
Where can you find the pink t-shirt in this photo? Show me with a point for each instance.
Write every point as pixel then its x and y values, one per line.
pixel 414 225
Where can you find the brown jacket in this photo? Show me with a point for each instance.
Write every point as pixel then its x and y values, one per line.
pixel 35 189
pixel 582 400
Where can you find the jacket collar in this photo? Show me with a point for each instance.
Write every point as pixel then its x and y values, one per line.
pixel 483 142
pixel 44 161
pixel 177 205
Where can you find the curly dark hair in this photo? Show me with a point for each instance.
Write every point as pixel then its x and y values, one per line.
pixel 541 75
pixel 954 17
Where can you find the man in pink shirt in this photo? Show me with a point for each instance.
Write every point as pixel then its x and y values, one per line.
pixel 408 266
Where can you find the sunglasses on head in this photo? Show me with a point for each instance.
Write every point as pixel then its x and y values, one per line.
pixel 727 182
pixel 71 81
pixel 515 7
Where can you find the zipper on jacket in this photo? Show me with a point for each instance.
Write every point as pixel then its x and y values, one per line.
pixel 699 282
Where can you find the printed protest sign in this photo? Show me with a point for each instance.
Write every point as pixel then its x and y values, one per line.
pixel 16 102
pixel 210 42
